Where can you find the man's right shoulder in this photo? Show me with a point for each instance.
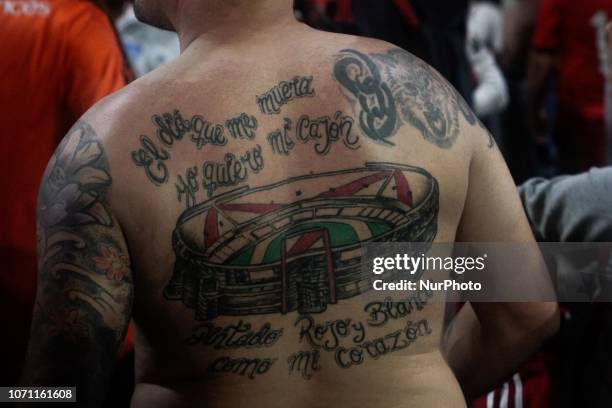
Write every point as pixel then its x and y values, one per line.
pixel 392 89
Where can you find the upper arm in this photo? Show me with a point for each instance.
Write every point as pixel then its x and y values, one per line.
pixel 84 294
pixel 494 213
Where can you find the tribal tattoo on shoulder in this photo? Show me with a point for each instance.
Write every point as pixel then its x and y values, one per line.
pixel 396 87
pixel 361 77
pixel 85 290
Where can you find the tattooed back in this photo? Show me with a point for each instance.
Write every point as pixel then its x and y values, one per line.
pixel 244 184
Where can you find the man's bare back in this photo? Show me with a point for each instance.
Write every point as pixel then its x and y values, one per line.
pixel 221 203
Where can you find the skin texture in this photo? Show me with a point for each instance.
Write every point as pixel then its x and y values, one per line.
pixel 243 179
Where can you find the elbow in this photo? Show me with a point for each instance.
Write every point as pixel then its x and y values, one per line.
pixel 542 325
pixel 526 325
pixel 551 320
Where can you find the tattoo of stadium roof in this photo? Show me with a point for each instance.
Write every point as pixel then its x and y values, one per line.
pixel 296 244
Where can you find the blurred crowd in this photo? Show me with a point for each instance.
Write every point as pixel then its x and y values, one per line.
pixel 535 71
pixel 538 73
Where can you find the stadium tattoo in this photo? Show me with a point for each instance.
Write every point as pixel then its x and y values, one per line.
pixel 385 85
pixel 242 127
pixel 84 284
pixel 295 245
pixel 272 101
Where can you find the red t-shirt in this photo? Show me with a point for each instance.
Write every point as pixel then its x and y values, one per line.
pixel 344 11
pixel 575 29
pixel 57 58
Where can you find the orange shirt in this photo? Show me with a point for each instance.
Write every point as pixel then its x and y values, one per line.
pixel 57 58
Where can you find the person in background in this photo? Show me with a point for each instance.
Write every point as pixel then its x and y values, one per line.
pixel 570 35
pixel 518 17
pixel 328 15
pixel 577 209
pixel 147 47
pixel 59 57
pixel 576 369
pixel 608 95
pixel 484 43
pixel 433 30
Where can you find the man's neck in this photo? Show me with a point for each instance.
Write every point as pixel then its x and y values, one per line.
pixel 215 23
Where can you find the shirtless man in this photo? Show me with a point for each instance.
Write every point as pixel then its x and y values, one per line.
pixel 221 201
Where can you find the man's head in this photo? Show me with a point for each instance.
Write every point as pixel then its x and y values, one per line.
pixel 190 18
pixel 155 12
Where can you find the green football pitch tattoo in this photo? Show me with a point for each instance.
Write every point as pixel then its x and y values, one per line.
pixel 251 252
